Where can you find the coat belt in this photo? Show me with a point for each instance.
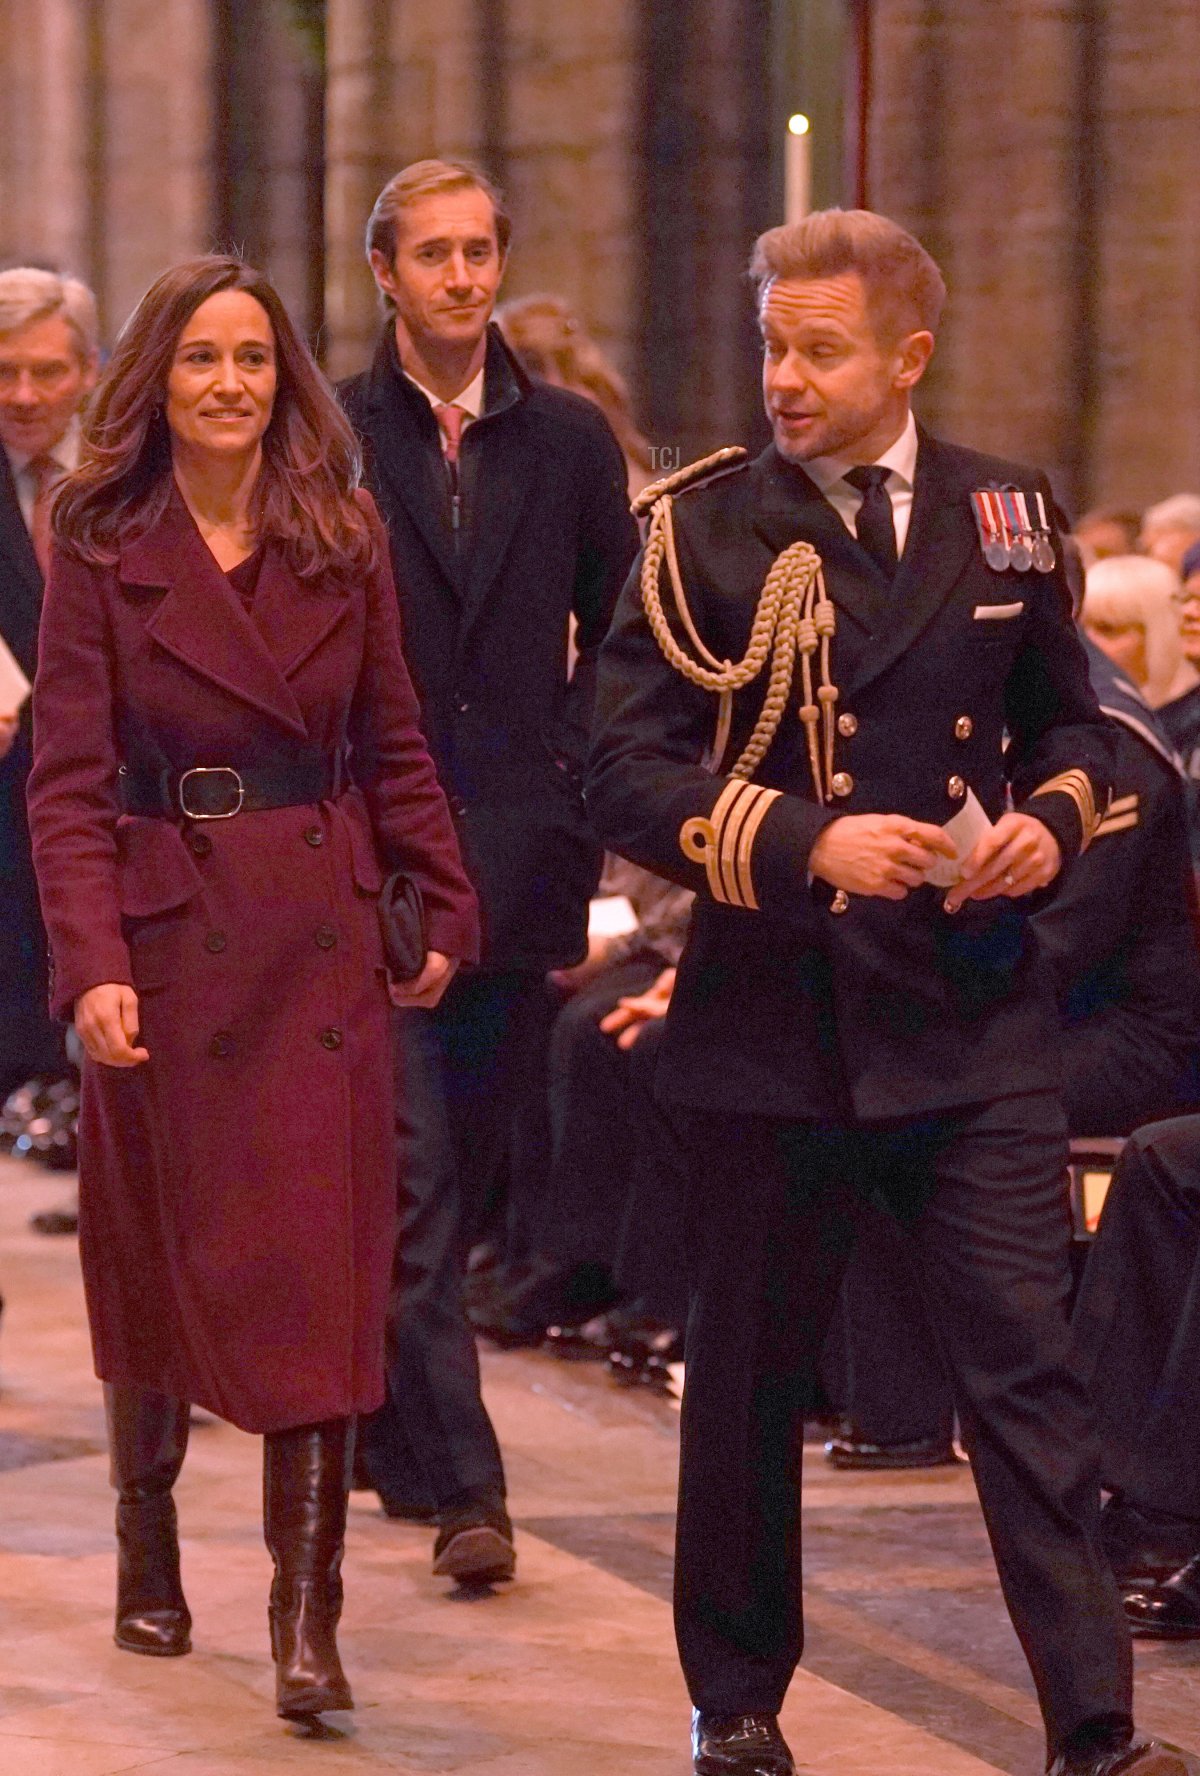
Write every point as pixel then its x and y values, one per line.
pixel 218 792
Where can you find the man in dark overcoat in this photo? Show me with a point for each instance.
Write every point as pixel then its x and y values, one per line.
pixel 841 1026
pixel 506 505
pixel 48 355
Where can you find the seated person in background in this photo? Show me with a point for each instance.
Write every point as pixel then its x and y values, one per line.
pixel 576 1210
pixel 1181 716
pixel 1137 1330
pixel 1129 611
pixel 1170 529
pixel 1121 941
pixel 1103 532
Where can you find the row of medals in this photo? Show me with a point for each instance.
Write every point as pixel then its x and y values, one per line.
pixel 1007 534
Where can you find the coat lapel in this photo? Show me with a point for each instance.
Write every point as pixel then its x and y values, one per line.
pixel 791 507
pixel 940 544
pixel 21 587
pixel 406 454
pixel 201 619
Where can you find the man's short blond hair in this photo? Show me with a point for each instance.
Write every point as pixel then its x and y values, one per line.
pixel 422 179
pixel 905 290
pixel 29 294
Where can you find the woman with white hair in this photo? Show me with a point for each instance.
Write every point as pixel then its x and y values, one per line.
pixel 1129 611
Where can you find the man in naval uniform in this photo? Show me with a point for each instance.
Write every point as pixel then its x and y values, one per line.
pixel 825 656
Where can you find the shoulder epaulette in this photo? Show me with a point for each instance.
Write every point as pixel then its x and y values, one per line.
pixel 705 469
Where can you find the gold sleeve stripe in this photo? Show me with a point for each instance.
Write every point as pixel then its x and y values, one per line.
pixel 1078 786
pixel 1122 805
pixel 724 841
pixel 746 845
pixel 1118 823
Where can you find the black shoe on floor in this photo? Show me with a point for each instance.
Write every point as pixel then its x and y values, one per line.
pixel 1170 1611
pixel 1145 1547
pixel 475 1546
pixel 1142 1757
pixel 739 1745
pixel 851 1453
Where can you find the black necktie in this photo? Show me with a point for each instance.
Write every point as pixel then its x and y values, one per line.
pixel 875 525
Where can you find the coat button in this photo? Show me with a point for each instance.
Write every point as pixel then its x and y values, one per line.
pixel 326 937
pixel 314 836
pixel 843 783
pixel 221 1046
pixel 840 902
pixel 199 844
pixel 956 789
pixel 215 942
pixel 331 1039
pixel 964 727
pixel 848 725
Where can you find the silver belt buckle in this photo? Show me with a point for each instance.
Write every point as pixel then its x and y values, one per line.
pixel 210 771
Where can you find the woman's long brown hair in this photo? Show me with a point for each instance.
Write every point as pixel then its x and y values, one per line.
pixel 305 494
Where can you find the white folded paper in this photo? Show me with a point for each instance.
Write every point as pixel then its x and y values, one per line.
pixel 966 829
pixel 14 686
pixel 611 915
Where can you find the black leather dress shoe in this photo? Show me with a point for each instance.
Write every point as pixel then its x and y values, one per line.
pixel 1145 1547
pixel 475 1546
pixel 739 1745
pixel 850 1452
pixel 1144 1758
pixel 1170 1611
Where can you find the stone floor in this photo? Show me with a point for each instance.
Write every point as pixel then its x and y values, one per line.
pixel 912 1668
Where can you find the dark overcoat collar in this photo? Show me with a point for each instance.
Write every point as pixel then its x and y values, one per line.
pixel 21 593
pixel 887 617
pixel 202 621
pixel 407 458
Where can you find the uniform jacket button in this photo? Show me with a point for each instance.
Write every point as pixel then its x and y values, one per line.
pixel 840 902
pixel 956 789
pixel 215 942
pixel 221 1046
pixel 314 836
pixel 199 844
pixel 331 1039
pixel 848 725
pixel 964 727
pixel 843 783
pixel 326 937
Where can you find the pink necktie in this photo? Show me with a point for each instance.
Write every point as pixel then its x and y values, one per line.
pixel 45 474
pixel 450 420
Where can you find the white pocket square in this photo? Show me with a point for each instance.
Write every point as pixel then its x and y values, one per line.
pixel 996 613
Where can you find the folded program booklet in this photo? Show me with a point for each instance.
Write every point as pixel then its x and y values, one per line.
pixel 14 686
pixel 966 829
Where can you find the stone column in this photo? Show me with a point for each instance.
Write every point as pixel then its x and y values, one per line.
pixel 157 127
pixel 44 134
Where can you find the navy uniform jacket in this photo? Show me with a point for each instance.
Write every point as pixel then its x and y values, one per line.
pixel 1181 721
pixel 546 533
pixel 1121 938
pixel 807 1004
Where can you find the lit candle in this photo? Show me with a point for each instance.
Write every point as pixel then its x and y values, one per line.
pixel 798 169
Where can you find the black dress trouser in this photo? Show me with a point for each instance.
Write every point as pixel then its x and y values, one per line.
pixel 1137 1321
pixel 459 1071
pixel 771 1223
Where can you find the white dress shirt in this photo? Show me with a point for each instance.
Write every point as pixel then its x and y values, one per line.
pixel 829 474
pixel 65 453
pixel 470 400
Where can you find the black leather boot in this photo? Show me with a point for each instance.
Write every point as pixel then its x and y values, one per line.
pixel 147 1440
pixel 306 1480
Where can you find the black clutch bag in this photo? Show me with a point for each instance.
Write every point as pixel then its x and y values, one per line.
pixel 402 921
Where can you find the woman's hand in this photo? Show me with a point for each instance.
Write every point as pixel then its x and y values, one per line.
pixel 429 985
pixel 106 1019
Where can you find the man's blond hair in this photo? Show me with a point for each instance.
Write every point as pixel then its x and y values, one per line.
pixel 28 293
pixel 422 179
pixel 905 290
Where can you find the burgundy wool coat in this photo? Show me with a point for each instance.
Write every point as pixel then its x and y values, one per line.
pixel 237 1190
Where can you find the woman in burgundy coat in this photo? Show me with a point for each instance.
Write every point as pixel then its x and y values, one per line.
pixel 227 763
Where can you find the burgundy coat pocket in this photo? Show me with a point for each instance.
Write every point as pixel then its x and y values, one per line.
pixel 364 858
pixel 155 871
